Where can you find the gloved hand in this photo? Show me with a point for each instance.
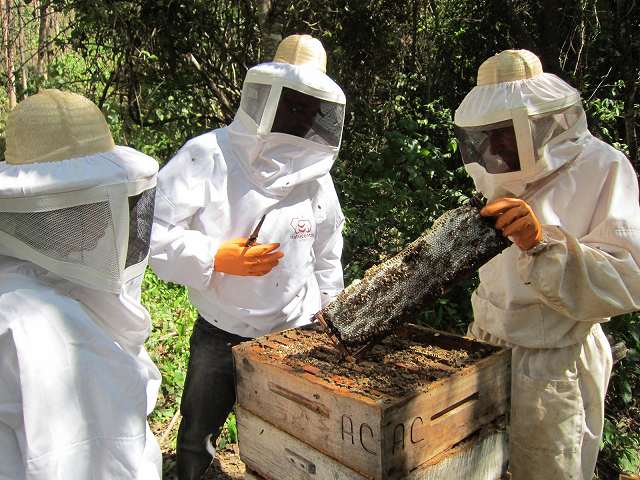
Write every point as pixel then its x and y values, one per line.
pixel 516 220
pixel 258 260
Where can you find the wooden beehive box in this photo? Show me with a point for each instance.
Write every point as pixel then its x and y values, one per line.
pixel 271 454
pixel 412 396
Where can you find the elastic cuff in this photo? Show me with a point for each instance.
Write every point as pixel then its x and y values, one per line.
pixel 543 245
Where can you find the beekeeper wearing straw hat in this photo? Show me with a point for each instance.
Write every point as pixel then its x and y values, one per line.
pixel 569 203
pixel 76 383
pixel 269 169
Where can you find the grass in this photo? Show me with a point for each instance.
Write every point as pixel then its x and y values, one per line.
pixel 173 318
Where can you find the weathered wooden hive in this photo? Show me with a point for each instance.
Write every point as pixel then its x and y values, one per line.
pixel 305 412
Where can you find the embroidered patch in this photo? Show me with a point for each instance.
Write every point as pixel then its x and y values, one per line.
pixel 302 228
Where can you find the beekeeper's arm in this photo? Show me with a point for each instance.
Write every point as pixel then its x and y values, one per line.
pixel 327 246
pixel 193 179
pixel 593 277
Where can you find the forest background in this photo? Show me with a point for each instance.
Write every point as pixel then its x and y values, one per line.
pixel 164 71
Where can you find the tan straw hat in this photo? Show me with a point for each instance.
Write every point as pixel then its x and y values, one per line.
pixel 52 126
pixel 508 66
pixel 302 50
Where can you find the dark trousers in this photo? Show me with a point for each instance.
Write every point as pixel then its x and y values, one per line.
pixel 208 396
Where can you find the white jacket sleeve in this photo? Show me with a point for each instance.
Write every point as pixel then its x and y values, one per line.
pixel 598 275
pixel 193 179
pixel 327 246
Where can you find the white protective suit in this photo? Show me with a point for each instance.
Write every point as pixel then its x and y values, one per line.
pixel 220 184
pixel 547 303
pixel 76 383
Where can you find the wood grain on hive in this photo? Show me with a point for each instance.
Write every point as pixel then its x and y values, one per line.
pixel 413 396
pixel 271 454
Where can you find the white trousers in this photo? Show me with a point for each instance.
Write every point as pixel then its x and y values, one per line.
pixel 557 407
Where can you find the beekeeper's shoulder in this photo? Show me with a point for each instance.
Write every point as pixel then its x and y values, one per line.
pixel 326 190
pixel 326 205
pixel 203 148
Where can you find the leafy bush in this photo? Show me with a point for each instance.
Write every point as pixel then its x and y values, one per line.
pixel 173 317
pixel 621 439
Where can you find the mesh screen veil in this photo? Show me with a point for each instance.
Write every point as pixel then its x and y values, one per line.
pixel 254 98
pixel 482 145
pixel 297 113
pixel 140 221
pixel 327 125
pixel 547 126
pixel 494 146
pixel 69 234
pixel 459 243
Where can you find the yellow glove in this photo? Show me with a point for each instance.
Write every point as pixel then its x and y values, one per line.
pixel 516 220
pixel 258 260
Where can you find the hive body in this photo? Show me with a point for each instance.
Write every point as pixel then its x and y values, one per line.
pixel 411 397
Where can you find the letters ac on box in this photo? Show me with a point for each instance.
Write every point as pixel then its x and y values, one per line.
pixel 364 434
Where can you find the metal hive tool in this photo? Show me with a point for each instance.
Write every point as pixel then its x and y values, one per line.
pixel 458 243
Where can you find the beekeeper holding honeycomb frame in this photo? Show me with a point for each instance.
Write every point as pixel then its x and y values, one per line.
pixel 569 203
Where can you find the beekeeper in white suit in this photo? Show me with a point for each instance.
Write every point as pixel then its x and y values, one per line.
pixel 76 383
pixel 569 203
pixel 274 160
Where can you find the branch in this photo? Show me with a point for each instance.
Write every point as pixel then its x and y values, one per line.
pixel 601 82
pixel 225 104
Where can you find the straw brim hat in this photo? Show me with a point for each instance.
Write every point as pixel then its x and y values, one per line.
pixel 302 50
pixel 509 66
pixel 52 126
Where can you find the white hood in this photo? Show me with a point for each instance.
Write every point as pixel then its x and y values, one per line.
pixel 277 162
pixel 525 104
pixel 86 219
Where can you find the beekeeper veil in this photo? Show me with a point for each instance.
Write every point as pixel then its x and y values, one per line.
pixel 70 200
pixel 518 125
pixel 288 128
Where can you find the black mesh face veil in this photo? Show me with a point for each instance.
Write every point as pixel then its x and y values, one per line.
pixel 309 117
pixel 494 147
pixel 68 234
pixel 140 221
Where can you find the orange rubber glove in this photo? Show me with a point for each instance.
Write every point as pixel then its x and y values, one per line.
pixel 258 260
pixel 516 220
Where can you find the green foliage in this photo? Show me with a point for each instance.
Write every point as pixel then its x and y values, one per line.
pixel 391 195
pixel 173 317
pixel 606 114
pixel 621 439
pixel 229 432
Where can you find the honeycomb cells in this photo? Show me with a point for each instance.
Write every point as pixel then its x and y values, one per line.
pixel 389 294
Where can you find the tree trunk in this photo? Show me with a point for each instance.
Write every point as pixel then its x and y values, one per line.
pixel 626 31
pixel 8 46
pixel 550 36
pixel 21 47
pixel 271 29
pixel 42 40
